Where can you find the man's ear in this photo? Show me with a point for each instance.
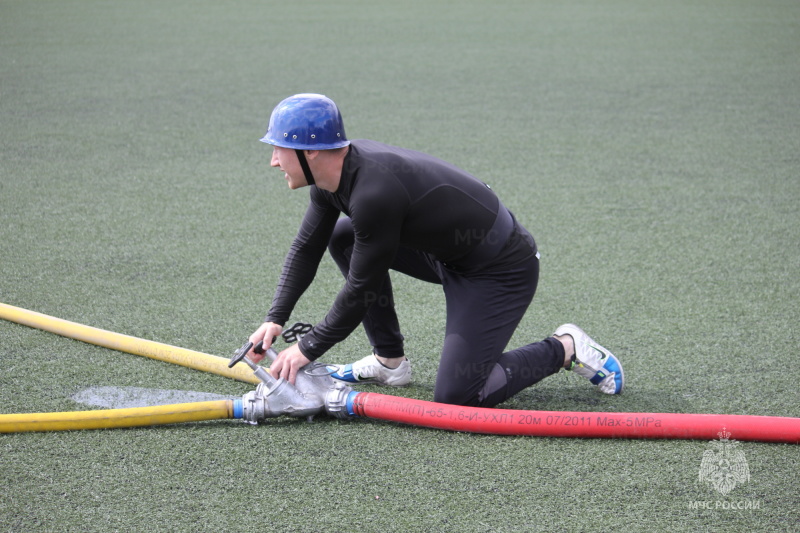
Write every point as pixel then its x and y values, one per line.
pixel 311 154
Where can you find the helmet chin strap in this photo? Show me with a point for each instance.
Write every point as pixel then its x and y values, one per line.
pixel 304 164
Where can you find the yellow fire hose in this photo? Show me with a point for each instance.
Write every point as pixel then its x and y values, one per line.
pixel 131 417
pixel 117 418
pixel 125 343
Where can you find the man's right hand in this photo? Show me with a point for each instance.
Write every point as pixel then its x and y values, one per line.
pixel 265 335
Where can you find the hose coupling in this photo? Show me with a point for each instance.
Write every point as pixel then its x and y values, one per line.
pixel 336 400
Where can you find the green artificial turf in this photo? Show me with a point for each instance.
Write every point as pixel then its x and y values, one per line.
pixel 650 147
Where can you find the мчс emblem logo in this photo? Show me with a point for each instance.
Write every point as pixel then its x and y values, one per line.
pixel 724 464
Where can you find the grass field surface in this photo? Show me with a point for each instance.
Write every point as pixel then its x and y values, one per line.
pixel 652 148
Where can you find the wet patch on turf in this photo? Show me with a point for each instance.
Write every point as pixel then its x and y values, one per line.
pixel 125 397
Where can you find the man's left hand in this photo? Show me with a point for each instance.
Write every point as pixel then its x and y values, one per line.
pixel 288 363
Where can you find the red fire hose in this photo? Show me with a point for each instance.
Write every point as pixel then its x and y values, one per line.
pixel 573 424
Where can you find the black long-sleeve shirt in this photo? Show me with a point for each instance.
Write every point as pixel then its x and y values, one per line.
pixel 394 197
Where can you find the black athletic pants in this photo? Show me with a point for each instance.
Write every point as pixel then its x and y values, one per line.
pixel 483 310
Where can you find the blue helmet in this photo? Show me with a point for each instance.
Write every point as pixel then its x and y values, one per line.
pixel 306 122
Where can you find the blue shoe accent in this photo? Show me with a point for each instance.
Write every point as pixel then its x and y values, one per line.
pixel 600 376
pixel 612 365
pixel 345 375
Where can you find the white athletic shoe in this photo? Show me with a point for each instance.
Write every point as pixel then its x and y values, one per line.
pixel 594 362
pixel 370 370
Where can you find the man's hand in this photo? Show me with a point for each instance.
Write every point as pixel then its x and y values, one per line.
pixel 264 334
pixel 288 363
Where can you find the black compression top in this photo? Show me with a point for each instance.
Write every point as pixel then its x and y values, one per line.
pixel 394 197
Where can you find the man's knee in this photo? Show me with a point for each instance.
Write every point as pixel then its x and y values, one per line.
pixel 491 392
pixel 453 396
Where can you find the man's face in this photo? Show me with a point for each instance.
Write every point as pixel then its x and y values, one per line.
pixel 286 160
